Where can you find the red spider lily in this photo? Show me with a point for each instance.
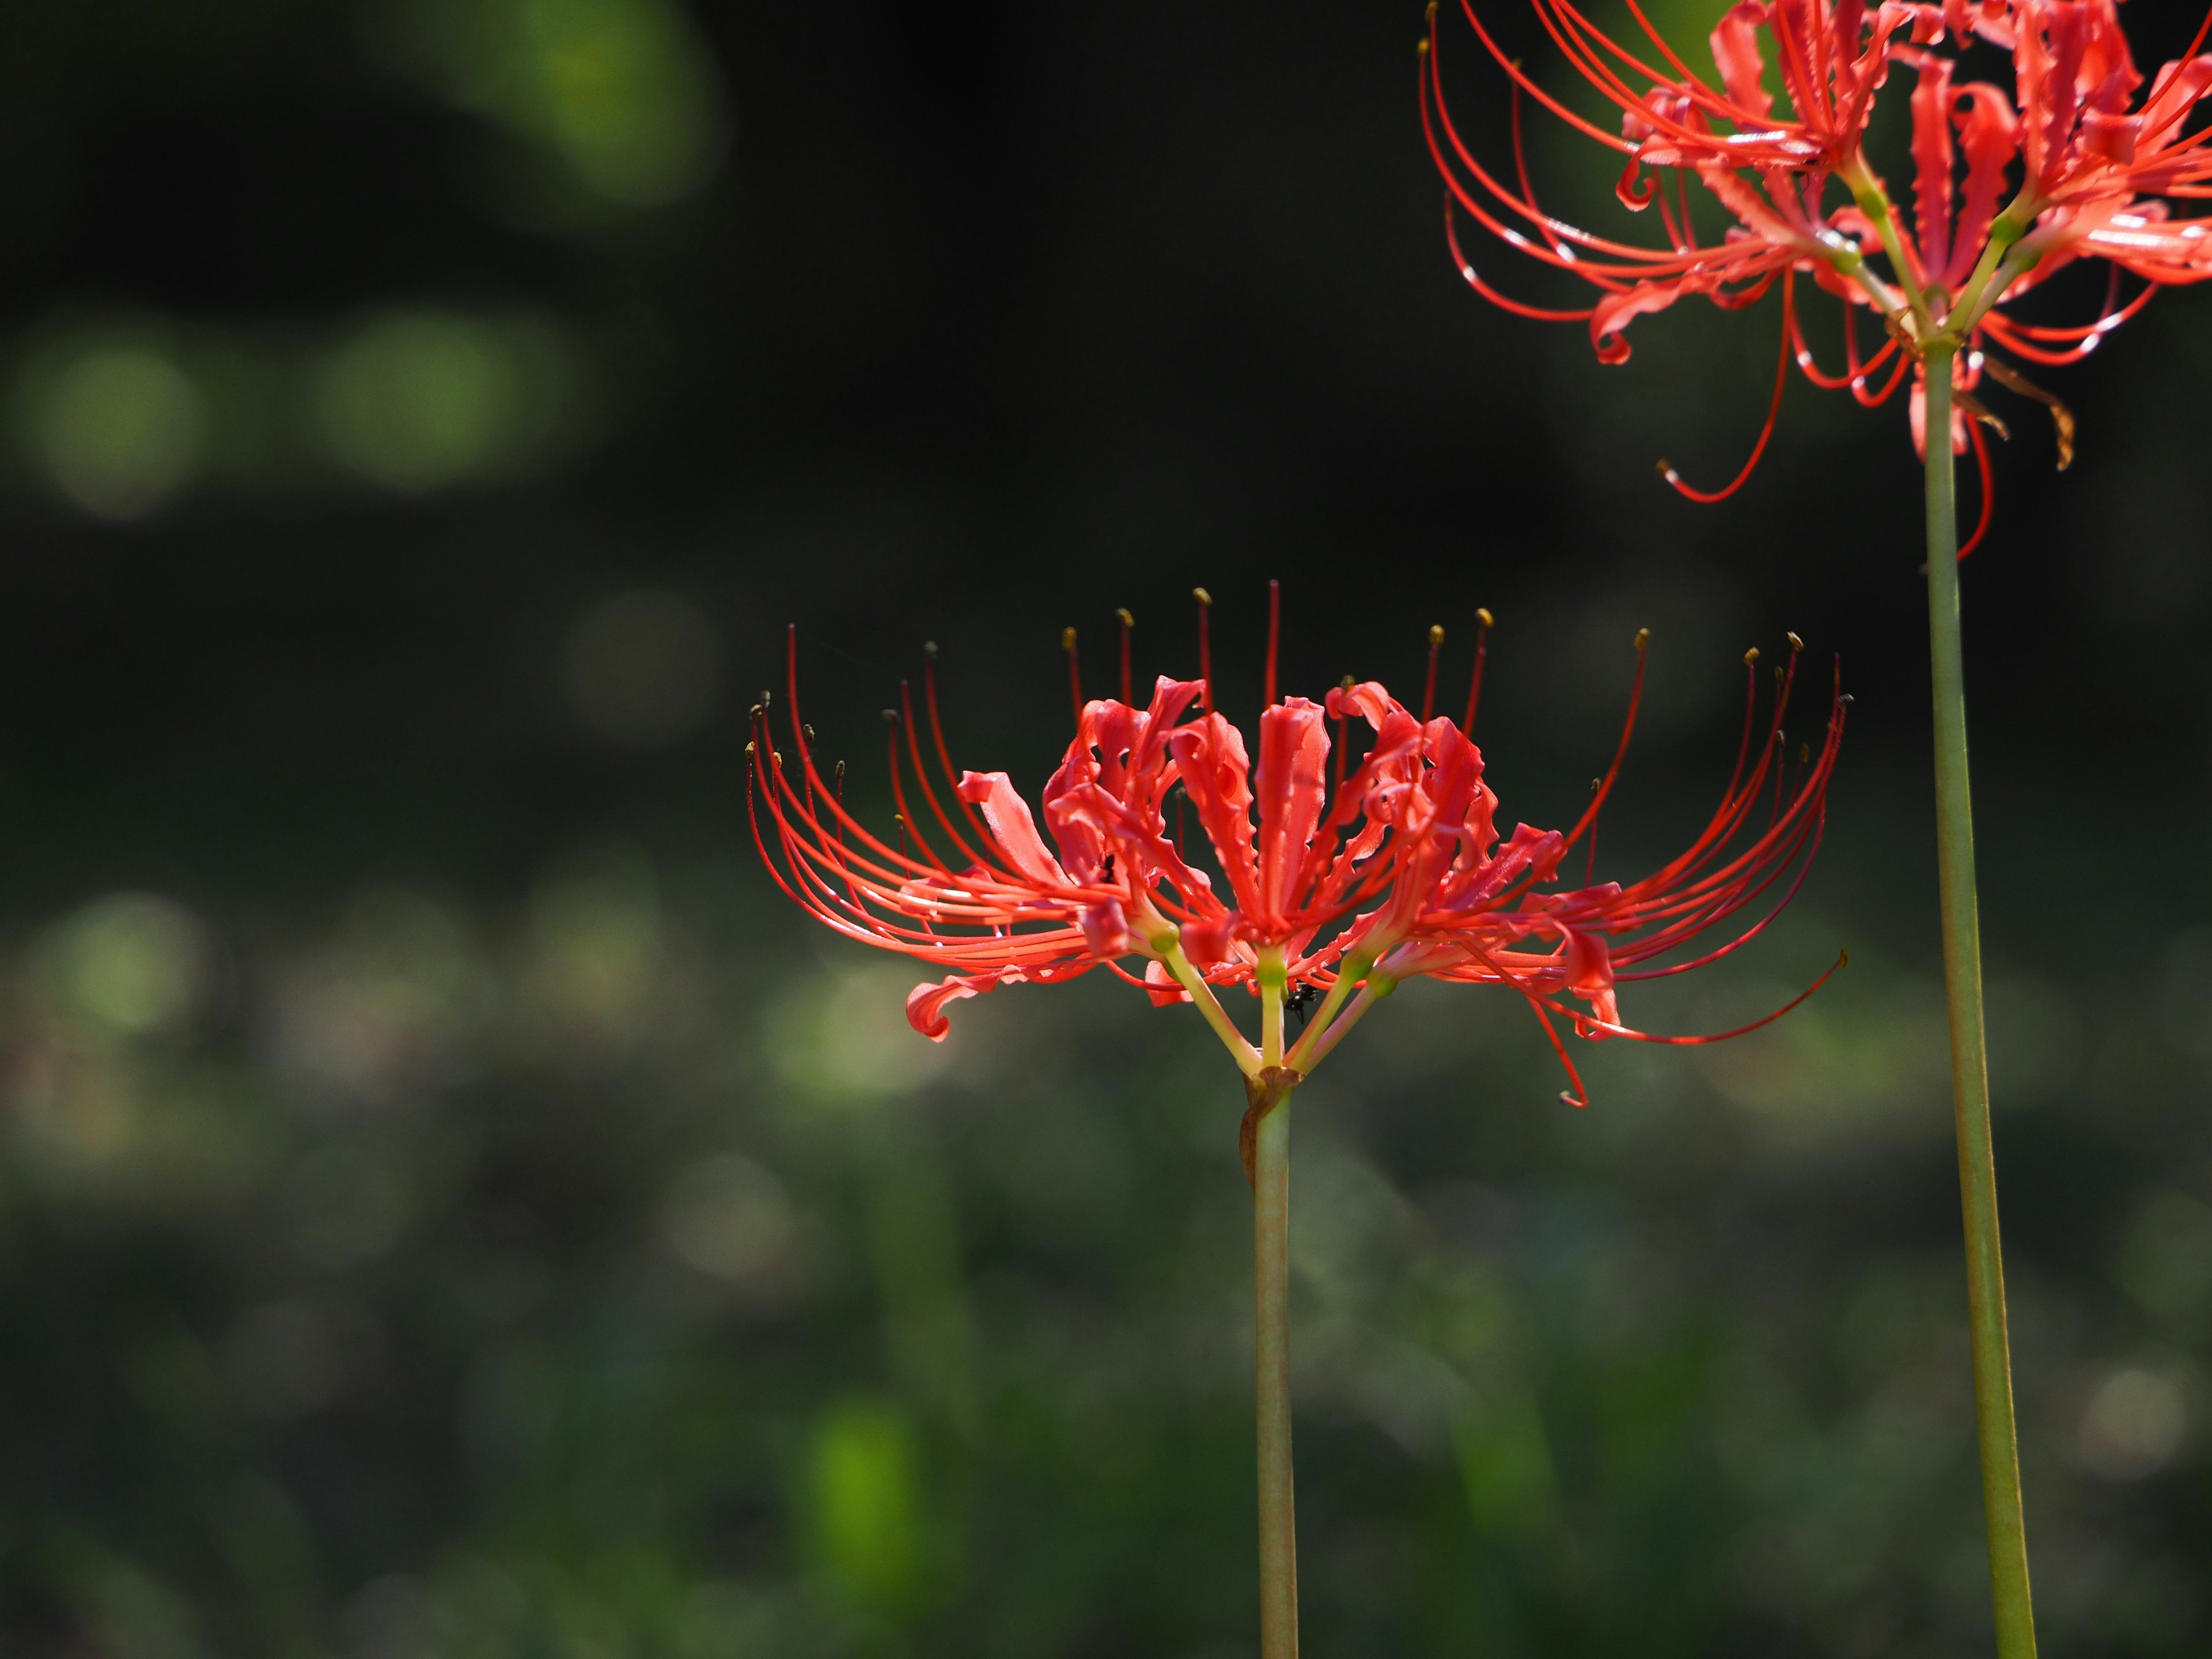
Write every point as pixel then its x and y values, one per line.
pixel 1329 879
pixel 2082 151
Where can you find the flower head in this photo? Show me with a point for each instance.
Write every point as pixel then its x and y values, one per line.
pixel 2084 158
pixel 1314 874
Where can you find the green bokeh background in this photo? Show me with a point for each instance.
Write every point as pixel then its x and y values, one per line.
pixel 450 1205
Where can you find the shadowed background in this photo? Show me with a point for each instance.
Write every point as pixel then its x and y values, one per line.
pixel 450 1205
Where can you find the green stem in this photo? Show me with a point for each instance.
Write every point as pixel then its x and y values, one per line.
pixel 1874 201
pixel 1209 1006
pixel 1271 1238
pixel 1970 1075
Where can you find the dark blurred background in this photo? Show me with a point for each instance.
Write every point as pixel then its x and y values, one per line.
pixel 450 1205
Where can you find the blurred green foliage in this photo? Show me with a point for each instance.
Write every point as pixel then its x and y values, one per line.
pixel 441 1279
pixel 619 94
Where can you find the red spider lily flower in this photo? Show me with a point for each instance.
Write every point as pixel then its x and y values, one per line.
pixel 2087 158
pixel 1319 877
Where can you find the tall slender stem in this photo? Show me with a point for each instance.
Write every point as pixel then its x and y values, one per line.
pixel 1970 1073
pixel 1271 1238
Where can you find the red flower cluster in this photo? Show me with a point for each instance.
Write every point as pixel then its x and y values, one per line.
pixel 1343 877
pixel 2085 156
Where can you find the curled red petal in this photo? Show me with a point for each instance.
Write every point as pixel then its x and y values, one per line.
pixel 1609 322
pixel 925 1004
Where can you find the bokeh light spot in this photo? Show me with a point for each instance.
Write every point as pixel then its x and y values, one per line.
pixel 729 1218
pixel 624 93
pixel 132 962
pixel 846 1037
pixel 2133 1426
pixel 391 1004
pixel 596 942
pixel 2165 1261
pixel 420 400
pixel 120 429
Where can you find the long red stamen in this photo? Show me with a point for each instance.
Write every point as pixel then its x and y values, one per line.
pixel 1484 621
pixel 1780 767
pixel 1589 865
pixel 1989 493
pixel 1842 960
pixel 1512 67
pixel 1774 413
pixel 1620 753
pixel 907 825
pixel 1667 218
pixel 1742 939
pixel 1579 1096
pixel 1636 260
pixel 1888 389
pixel 1521 161
pixel 1428 693
pixel 1622 264
pixel 2017 337
pixel 975 819
pixel 1750 718
pixel 921 776
pixel 1520 309
pixel 1204 652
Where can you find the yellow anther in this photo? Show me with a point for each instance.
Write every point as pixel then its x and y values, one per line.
pixel 1804 753
pixel 1436 635
pixel 1642 638
pixel 1127 621
pixel 1067 639
pixel 1347 683
pixel 1201 596
pixel 1751 656
pixel 1796 644
pixel 1482 615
